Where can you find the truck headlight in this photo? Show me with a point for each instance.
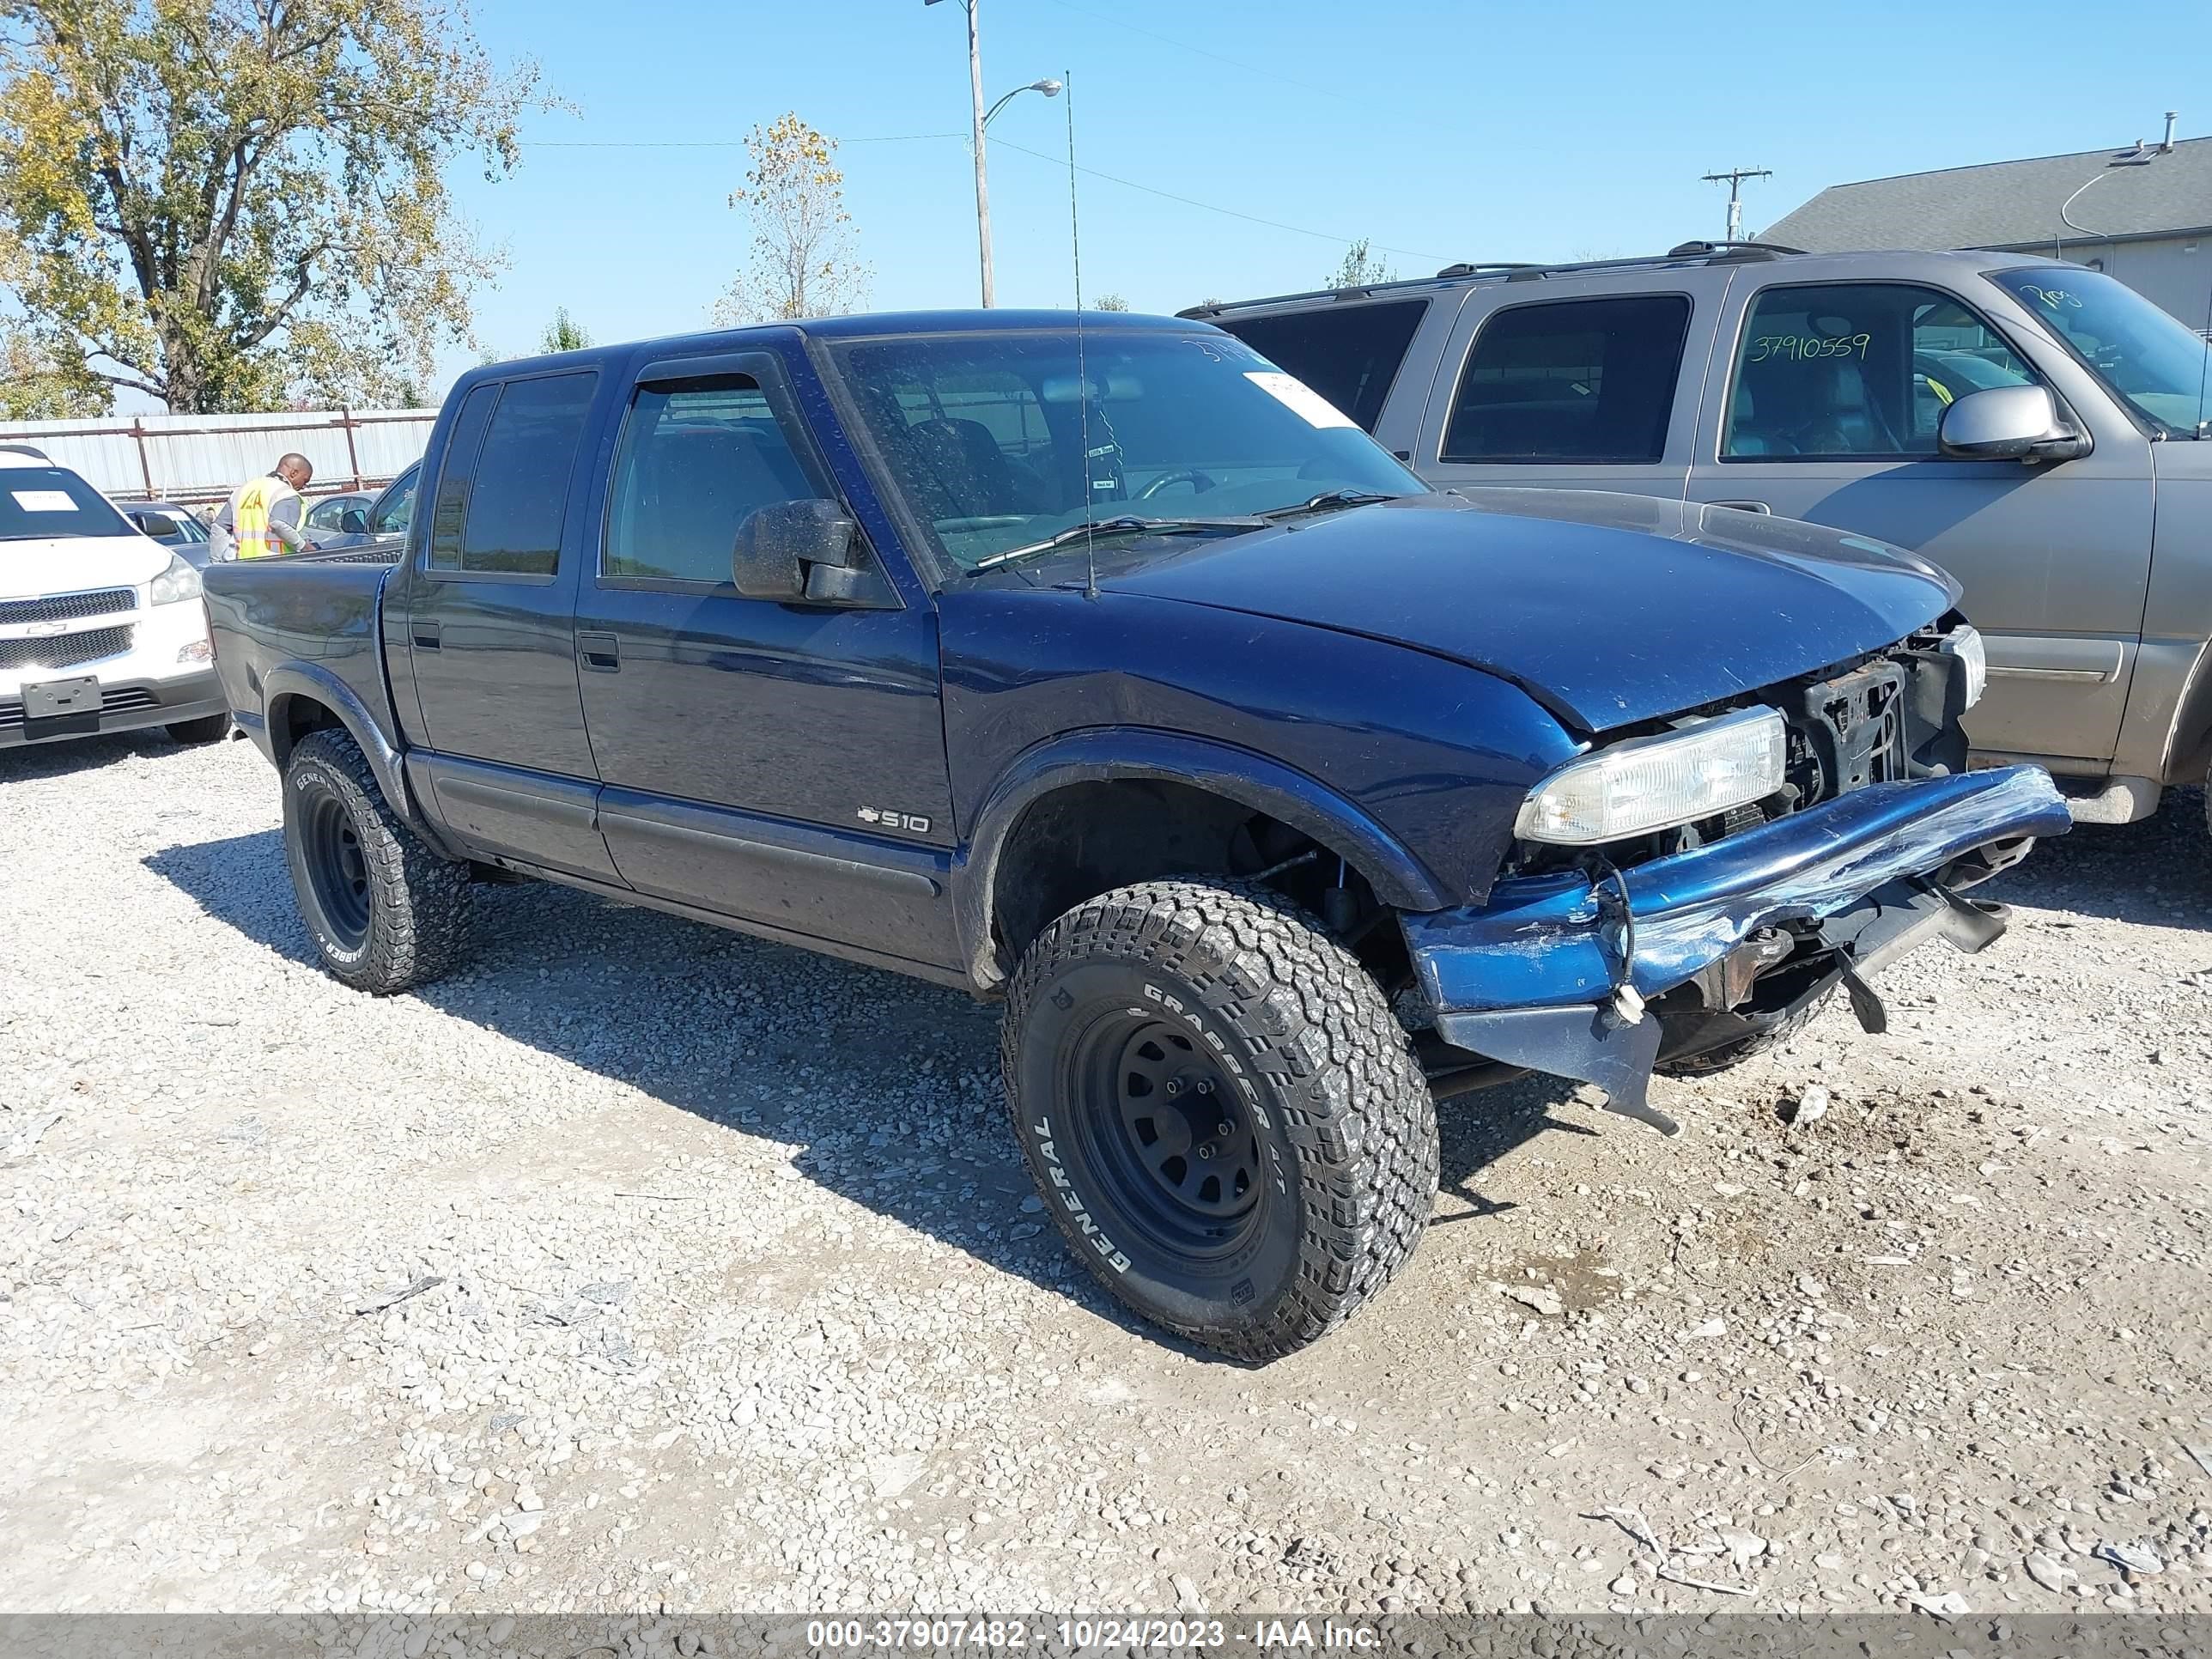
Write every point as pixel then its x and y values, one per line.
pixel 1965 642
pixel 1653 783
pixel 180 581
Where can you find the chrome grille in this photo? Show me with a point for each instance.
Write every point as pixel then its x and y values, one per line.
pixel 65 650
pixel 70 607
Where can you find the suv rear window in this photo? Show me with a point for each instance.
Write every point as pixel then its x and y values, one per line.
pixel 1350 354
pixel 1571 380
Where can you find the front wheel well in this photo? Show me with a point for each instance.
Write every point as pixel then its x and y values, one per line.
pixel 1093 837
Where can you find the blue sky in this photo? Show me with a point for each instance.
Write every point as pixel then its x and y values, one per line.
pixel 1440 130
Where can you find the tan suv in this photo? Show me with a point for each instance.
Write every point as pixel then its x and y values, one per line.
pixel 2036 427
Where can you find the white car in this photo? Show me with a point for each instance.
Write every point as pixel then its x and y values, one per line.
pixel 101 626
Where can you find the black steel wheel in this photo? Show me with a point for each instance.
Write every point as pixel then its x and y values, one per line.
pixel 336 867
pixel 1169 1131
pixel 1220 1111
pixel 385 911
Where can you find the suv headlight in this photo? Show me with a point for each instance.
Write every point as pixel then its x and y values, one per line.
pixel 1965 642
pixel 180 581
pixel 1653 783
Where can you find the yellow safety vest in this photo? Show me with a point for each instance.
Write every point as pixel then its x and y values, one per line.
pixel 250 522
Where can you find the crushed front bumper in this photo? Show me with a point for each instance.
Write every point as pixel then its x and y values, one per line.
pixel 1535 976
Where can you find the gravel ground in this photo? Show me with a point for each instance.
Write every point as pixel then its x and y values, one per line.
pixel 644 1266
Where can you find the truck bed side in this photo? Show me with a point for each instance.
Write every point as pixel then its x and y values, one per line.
pixel 298 646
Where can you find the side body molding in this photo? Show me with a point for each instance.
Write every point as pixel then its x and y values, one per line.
pixel 1103 752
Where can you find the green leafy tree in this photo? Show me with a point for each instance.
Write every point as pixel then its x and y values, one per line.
pixel 803 260
pixel 1359 268
pixel 1111 302
pixel 227 203
pixel 564 333
pixel 35 387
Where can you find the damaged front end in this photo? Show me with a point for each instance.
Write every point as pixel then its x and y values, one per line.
pixel 1596 965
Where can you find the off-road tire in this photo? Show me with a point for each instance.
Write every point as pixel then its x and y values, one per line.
pixel 413 905
pixel 1339 1122
pixel 209 728
pixel 1782 1030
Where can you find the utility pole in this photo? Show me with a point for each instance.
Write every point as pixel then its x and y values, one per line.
pixel 1734 179
pixel 982 185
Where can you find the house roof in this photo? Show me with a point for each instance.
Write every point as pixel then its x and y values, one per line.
pixel 2004 204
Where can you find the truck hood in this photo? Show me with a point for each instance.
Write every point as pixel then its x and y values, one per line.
pixel 1608 609
pixel 30 569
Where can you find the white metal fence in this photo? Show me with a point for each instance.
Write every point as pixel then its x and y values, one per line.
pixel 201 458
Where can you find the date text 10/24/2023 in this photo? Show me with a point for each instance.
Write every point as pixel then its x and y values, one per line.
pixel 1128 1632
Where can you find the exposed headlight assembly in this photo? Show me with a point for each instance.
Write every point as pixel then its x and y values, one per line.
pixel 1654 783
pixel 178 582
pixel 1965 642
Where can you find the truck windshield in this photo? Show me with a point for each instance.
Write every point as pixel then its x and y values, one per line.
pixel 999 441
pixel 2141 354
pixel 37 503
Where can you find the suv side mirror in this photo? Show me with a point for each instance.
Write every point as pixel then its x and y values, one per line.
pixel 799 550
pixel 354 521
pixel 2008 423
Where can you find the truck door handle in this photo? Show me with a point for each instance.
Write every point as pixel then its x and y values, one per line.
pixel 425 635
pixel 1746 506
pixel 601 652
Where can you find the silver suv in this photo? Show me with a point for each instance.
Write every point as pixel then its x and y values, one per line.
pixel 2037 428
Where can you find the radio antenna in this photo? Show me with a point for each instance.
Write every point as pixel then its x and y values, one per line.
pixel 1082 371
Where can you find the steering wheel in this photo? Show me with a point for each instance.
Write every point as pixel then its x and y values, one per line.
pixel 1200 483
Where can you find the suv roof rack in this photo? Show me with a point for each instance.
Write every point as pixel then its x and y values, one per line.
pixel 1512 270
pixel 1361 291
pixel 35 452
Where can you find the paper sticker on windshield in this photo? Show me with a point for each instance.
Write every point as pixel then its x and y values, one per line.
pixel 44 501
pixel 1301 399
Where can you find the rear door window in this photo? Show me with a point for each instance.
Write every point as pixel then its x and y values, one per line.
pixel 507 518
pixel 1857 371
pixel 1350 354
pixel 1571 380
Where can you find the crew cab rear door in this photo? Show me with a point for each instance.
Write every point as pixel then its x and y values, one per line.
pixel 781 763
pixel 484 627
pixel 1574 382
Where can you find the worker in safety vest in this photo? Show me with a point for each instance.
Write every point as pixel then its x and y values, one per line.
pixel 262 516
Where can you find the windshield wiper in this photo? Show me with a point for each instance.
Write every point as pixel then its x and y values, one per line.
pixel 1126 524
pixel 1329 500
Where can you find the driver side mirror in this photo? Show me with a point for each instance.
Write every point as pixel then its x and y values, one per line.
pixel 2008 423
pixel 354 521
pixel 802 551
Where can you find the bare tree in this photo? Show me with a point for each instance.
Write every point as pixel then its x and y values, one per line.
pixel 803 260
pixel 1110 302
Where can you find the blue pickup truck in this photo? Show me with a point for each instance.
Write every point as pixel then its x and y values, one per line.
pixel 1099 666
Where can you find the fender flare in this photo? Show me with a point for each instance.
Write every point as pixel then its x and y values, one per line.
pixel 2189 739
pixel 318 685
pixel 1312 808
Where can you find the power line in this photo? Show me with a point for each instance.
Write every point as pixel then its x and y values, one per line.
pixel 1211 207
pixel 1185 45
pixel 711 144
pixel 997 143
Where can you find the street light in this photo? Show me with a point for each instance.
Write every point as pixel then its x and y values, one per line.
pixel 1050 88
pixel 981 119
